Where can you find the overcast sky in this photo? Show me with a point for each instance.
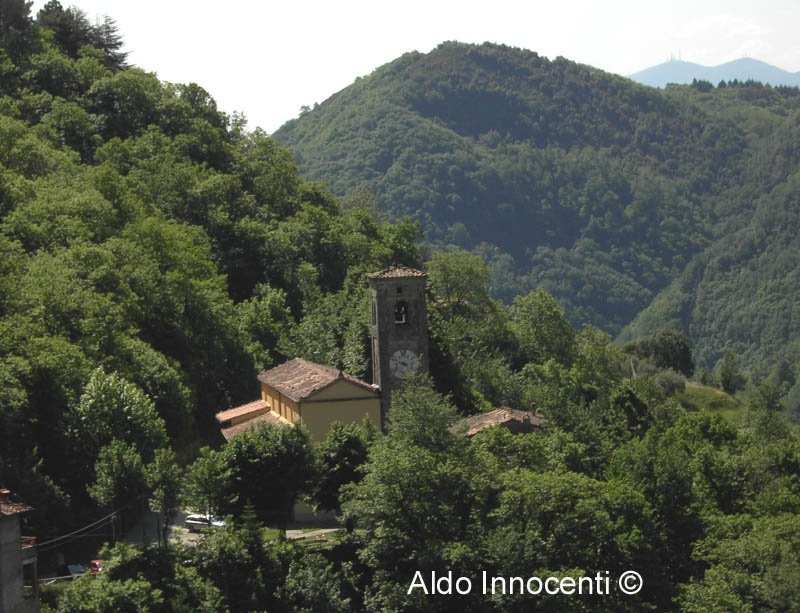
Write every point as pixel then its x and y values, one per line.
pixel 267 59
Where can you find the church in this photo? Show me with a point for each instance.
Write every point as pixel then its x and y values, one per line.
pixel 316 395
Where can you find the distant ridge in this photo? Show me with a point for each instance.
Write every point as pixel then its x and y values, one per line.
pixel 743 69
pixel 606 193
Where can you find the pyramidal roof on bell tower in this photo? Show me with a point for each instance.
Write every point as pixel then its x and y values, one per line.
pixel 397 272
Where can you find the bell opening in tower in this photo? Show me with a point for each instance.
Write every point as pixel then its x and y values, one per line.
pixel 401 312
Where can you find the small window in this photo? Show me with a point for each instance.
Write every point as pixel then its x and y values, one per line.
pixel 374 313
pixel 400 312
pixel 399 290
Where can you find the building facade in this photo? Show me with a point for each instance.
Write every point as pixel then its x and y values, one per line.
pixel 18 572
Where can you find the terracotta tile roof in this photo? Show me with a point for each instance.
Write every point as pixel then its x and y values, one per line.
pixel 10 507
pixel 255 408
pixel 298 378
pixel 495 417
pixel 396 272
pixel 269 418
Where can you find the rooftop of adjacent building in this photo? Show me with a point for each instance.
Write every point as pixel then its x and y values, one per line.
pixel 250 422
pixel 8 506
pixel 500 416
pixel 250 409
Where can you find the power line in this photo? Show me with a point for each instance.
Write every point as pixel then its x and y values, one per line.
pixel 71 540
pixel 86 527
pixel 40 546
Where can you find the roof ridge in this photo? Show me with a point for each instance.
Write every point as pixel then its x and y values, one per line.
pixel 397 272
pixel 299 378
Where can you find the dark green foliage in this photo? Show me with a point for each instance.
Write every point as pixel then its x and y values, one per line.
pixel 415 508
pixel 207 482
pixel 267 467
pixel 753 565
pixel 120 482
pixel 666 348
pixel 16 29
pixel 472 343
pixel 138 580
pixel 420 416
pixel 265 320
pixel 739 292
pixel 70 27
pixel 109 596
pixel 702 467
pixel 164 480
pixel 730 379
pixel 145 233
pixel 570 523
pixel 112 409
pixel 72 32
pixel 339 459
pixel 314 585
pixel 541 328
pixel 502 503
pixel 238 562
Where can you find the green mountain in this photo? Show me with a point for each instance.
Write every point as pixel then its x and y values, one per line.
pixel 604 192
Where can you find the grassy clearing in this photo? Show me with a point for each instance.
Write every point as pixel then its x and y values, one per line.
pixel 270 534
pixel 698 397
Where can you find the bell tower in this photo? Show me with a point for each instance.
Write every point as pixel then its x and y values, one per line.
pixel 399 329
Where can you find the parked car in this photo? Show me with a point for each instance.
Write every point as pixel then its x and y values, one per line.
pixel 194 523
pixel 96 566
pixel 76 570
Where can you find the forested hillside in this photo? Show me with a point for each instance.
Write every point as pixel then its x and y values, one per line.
pixel 154 256
pixel 741 292
pixel 561 176
pixel 144 233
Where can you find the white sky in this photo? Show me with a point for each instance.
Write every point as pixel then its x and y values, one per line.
pixel 267 59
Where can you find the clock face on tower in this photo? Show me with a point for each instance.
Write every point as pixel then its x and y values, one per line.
pixel 403 363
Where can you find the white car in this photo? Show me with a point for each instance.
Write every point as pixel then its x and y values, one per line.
pixel 194 523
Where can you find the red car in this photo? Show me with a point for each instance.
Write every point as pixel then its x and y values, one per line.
pixel 96 566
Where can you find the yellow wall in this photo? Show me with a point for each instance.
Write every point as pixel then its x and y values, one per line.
pixel 341 401
pixel 318 416
pixel 341 389
pixel 280 404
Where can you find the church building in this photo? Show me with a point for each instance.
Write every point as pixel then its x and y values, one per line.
pixel 316 395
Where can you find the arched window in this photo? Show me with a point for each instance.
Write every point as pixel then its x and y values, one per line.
pixel 401 312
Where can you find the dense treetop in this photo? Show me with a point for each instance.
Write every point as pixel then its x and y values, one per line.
pixel 153 258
